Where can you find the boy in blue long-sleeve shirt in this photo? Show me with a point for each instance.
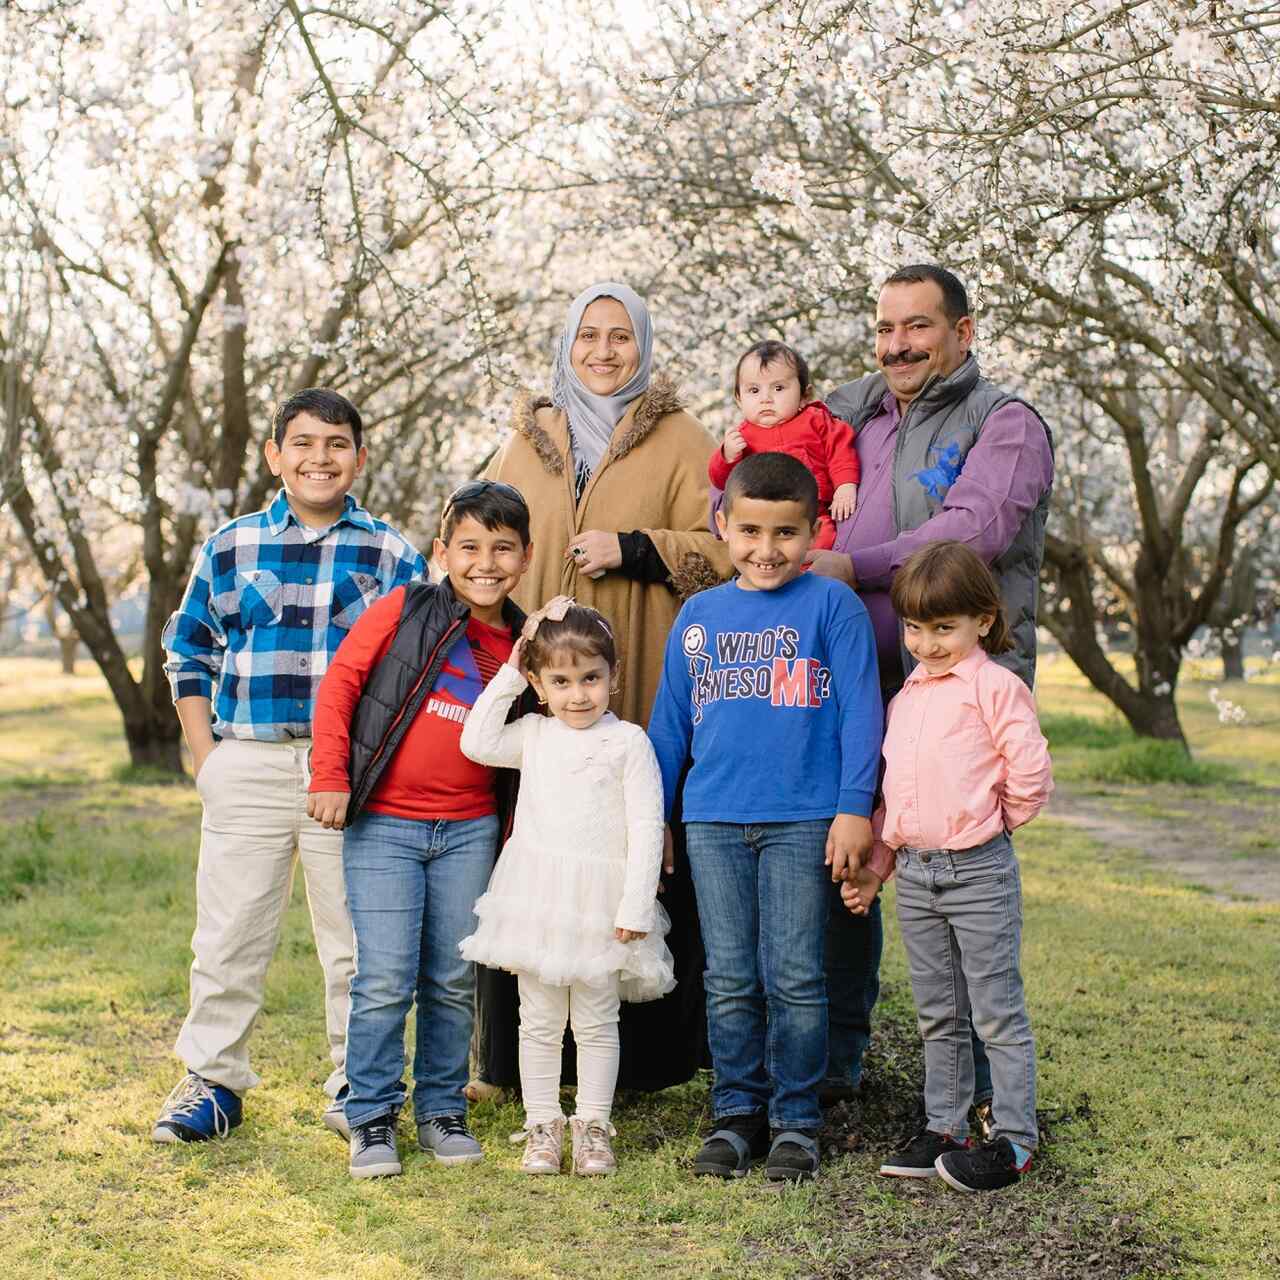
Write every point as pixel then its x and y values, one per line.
pixel 771 688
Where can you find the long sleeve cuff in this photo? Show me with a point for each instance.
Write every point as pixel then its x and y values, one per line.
pixel 855 801
pixel 873 566
pixel 634 916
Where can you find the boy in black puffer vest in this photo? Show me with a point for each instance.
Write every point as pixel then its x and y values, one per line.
pixel 423 821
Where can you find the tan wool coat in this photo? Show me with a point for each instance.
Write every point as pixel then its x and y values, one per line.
pixel 653 478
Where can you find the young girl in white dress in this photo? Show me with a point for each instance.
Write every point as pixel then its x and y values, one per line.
pixel 571 907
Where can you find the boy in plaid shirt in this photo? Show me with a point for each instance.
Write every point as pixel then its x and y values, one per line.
pixel 270 599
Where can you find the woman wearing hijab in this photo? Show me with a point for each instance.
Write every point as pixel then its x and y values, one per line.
pixel 615 475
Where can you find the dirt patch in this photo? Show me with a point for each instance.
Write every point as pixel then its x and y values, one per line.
pixel 1046 1228
pixel 1226 840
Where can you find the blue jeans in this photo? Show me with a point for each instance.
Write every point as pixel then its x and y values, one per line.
pixel 411 889
pixel 763 896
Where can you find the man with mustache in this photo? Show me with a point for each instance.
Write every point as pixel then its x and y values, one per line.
pixel 944 454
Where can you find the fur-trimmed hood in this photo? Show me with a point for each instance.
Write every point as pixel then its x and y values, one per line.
pixel 662 398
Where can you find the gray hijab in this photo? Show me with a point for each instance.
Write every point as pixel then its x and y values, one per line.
pixel 592 418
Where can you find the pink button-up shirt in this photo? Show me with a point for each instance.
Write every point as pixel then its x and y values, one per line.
pixel 964 758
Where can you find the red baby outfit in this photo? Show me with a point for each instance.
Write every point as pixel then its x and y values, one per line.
pixel 823 443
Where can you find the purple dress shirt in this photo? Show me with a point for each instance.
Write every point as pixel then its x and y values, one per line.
pixel 1009 466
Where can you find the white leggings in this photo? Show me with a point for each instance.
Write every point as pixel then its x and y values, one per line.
pixel 593 1013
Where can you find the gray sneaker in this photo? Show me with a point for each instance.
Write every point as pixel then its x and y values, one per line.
pixel 449 1140
pixel 373 1149
pixel 335 1115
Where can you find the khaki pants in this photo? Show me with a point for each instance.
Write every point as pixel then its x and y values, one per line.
pixel 255 826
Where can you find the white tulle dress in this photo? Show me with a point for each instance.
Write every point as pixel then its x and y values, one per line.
pixel 584 854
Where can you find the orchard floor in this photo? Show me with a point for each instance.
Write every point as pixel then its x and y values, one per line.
pixel 1155 1002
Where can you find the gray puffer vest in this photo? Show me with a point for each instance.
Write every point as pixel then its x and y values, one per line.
pixel 934 437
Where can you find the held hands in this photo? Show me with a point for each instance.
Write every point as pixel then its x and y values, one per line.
pixel 849 842
pixel 329 808
pixel 735 444
pixel 594 552
pixel 628 935
pixel 843 501
pixel 860 892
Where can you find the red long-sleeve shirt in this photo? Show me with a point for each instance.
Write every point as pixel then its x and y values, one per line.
pixel 822 442
pixel 428 777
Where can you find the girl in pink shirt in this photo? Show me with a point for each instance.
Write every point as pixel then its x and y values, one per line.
pixel 965 764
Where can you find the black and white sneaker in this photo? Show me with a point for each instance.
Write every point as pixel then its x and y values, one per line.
pixel 990 1167
pixel 918 1158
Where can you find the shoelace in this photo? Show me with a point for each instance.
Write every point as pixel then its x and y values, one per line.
pixel 543 1141
pixel 186 1099
pixel 377 1133
pixel 452 1126
pixel 595 1138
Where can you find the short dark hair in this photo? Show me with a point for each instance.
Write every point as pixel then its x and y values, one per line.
pixel 772 477
pixel 582 631
pixel 493 503
pixel 945 578
pixel 955 300
pixel 322 403
pixel 771 351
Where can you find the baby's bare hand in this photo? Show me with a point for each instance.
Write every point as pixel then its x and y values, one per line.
pixel 843 502
pixel 628 935
pixel 735 444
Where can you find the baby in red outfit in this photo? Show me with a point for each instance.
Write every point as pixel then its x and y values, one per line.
pixel 772 388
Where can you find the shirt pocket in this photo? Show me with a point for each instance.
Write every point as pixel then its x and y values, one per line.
pixel 353 593
pixel 260 598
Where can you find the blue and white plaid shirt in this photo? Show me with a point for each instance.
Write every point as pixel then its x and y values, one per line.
pixel 268 603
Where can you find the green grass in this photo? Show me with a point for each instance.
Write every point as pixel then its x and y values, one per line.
pixel 1156 1009
pixel 1109 751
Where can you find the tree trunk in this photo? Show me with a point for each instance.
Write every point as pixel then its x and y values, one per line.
pixel 1150 716
pixel 68 645
pixel 155 742
pixel 1232 655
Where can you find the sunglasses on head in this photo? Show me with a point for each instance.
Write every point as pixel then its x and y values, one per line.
pixel 474 488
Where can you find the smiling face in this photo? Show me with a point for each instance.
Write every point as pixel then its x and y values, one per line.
pixel 940 644
pixel 767 541
pixel 605 354
pixel 483 565
pixel 317 462
pixel 575 686
pixel 915 340
pixel 768 394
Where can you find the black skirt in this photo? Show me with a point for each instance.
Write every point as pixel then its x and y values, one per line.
pixel 663 1042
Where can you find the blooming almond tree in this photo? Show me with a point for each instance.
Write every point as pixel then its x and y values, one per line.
pixel 206 207
pixel 1103 174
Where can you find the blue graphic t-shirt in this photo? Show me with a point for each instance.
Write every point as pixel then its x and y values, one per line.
pixel 775 696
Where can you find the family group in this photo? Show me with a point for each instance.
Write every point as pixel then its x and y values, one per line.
pixel 638 757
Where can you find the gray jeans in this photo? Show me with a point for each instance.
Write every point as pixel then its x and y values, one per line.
pixel 961 918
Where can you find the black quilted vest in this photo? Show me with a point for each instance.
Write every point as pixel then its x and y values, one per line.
pixel 432 621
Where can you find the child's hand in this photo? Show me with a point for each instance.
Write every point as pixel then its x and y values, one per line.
pixel 668 856
pixel 735 444
pixel 329 808
pixel 843 501
pixel 860 892
pixel 848 842
pixel 628 935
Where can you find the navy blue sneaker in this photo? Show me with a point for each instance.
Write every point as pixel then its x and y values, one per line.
pixel 196 1111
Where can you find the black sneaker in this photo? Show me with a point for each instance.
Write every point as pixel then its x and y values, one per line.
pixel 917 1158
pixel 735 1141
pixel 793 1157
pixel 986 1168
